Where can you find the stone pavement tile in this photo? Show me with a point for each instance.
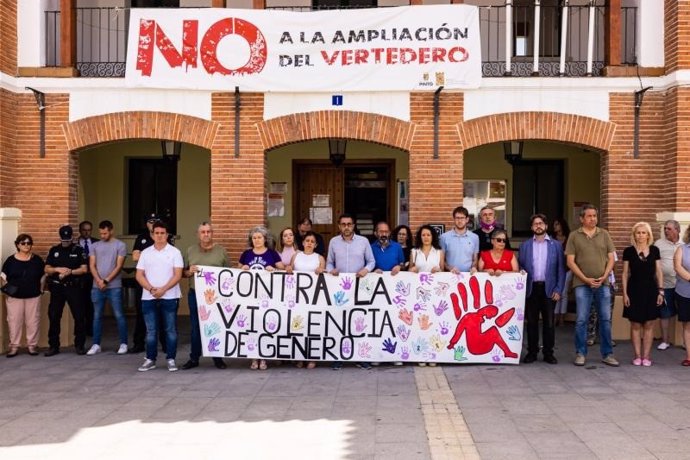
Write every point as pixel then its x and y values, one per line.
pixel 400 432
pixel 400 416
pixel 488 432
pixel 148 401
pixel 641 424
pixel 575 414
pixel 345 406
pixel 179 409
pixel 266 409
pixel 528 405
pixel 123 415
pixel 668 442
pixel 559 445
pixel 511 449
pixel 620 447
pixel 401 450
pixel 531 424
pixel 11 434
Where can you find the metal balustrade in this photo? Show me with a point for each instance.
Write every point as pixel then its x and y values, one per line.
pixel 562 40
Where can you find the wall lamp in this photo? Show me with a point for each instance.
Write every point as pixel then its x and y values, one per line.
pixel 336 151
pixel 171 150
pixel 512 151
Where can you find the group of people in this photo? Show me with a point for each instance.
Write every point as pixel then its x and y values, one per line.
pixel 655 279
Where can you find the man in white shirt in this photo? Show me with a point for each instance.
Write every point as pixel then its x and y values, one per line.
pixel 159 271
pixel 667 247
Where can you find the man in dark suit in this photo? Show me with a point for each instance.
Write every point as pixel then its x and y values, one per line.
pixel 542 258
pixel 86 241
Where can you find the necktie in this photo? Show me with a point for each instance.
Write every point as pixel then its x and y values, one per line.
pixel 86 248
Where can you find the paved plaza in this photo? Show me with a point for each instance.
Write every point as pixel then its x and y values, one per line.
pixel 100 407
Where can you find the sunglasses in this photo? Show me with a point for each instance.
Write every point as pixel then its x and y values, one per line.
pixel 26 243
pixel 500 240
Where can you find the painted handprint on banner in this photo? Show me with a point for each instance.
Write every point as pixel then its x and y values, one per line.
pixel 345 348
pixel 340 298
pixel 213 344
pixel 514 333
pixel 404 353
pixel 228 307
pixel 366 285
pixel 436 343
pixel 290 282
pixel 228 284
pixel 297 324
pixel 399 300
pixel 520 284
pixel 424 323
pixel 204 314
pixel 211 329
pixel 419 307
pixel 459 353
pixel 210 296
pixel 403 332
pixel 210 278
pixel 520 314
pixel 389 346
pixel 507 293
pixel 241 321
pixel 496 356
pixel 364 350
pixel 441 308
pixel 441 289
pixel 479 342
pixel 426 278
pixel 251 344
pixel 443 328
pixel 406 316
pixel 402 288
pixel 346 283
pixel 360 324
pixel 420 346
pixel 423 294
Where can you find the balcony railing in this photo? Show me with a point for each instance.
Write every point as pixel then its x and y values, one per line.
pixel 563 45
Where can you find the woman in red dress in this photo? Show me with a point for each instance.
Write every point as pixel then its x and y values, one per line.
pixel 498 259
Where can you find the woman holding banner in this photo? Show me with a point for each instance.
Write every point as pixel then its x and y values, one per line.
pixel 288 248
pixel 427 256
pixel 308 261
pixel 498 259
pixel 260 257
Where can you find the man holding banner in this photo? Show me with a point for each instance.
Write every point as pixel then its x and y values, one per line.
pixel 349 253
pixel 460 246
pixel 205 252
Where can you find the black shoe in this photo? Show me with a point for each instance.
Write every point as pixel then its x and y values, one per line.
pixel 51 352
pixel 190 365
pixel 219 363
pixel 12 353
pixel 80 350
pixel 529 358
pixel 551 359
pixel 136 349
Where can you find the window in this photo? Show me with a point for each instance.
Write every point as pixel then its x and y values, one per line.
pixel 550 26
pixel 152 188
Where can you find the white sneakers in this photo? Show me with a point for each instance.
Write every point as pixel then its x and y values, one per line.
pixel 147 365
pixel 94 350
pixel 663 346
pixel 172 367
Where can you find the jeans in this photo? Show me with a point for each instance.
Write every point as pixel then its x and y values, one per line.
pixel 195 351
pixel 98 298
pixel 601 297
pixel 167 309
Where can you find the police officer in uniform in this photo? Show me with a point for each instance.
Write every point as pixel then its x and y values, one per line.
pixel 143 241
pixel 65 265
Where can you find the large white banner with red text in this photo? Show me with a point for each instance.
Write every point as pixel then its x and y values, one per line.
pixel 410 317
pixel 383 49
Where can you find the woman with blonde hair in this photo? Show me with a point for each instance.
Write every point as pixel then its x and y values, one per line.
pixel 681 263
pixel 643 290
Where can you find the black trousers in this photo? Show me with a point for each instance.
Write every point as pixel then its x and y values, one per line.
pixel 59 294
pixel 539 303
pixel 139 336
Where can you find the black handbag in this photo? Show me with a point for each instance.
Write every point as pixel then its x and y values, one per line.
pixel 10 289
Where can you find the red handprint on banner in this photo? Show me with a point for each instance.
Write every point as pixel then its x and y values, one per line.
pixel 470 322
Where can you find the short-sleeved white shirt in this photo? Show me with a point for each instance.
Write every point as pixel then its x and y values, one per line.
pixel 159 267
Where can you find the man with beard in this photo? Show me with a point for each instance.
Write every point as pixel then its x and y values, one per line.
pixel 487 225
pixel 388 254
pixel 542 258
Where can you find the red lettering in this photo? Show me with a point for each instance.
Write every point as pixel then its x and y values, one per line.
pixel 392 56
pixel 246 30
pixel 150 32
pixel 407 55
pixel 438 55
pixel 377 54
pixel 464 55
pixel 346 57
pixel 361 56
pixel 423 55
pixel 329 60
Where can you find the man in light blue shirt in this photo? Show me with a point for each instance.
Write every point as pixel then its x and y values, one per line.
pixel 349 253
pixel 461 246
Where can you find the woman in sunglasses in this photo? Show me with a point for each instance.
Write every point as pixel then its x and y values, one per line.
pixel 498 259
pixel 22 281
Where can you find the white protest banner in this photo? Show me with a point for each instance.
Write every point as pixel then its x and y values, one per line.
pixel 406 48
pixel 413 317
